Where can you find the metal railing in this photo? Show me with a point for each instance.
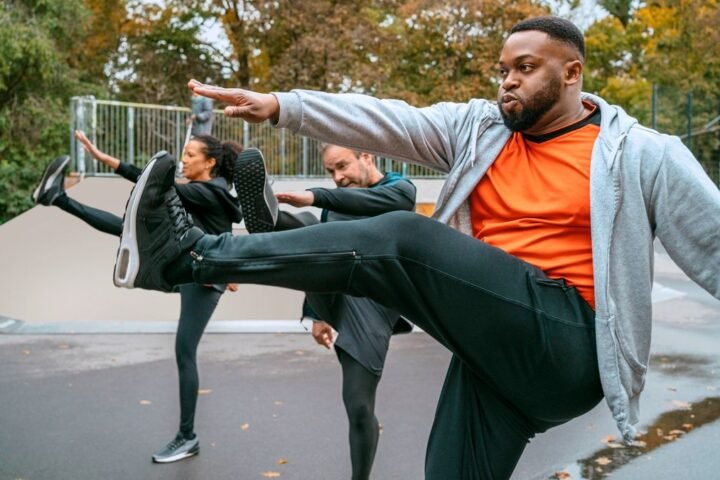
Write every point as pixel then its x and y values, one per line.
pixel 134 132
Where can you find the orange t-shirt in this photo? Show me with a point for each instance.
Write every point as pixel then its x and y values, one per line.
pixel 534 202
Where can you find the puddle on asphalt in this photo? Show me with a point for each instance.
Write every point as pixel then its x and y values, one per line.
pixel 682 365
pixel 669 427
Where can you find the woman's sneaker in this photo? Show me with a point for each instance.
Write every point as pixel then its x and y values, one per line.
pixel 178 449
pixel 257 200
pixel 156 228
pixel 52 182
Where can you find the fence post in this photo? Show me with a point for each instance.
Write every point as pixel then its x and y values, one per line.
pixel 246 134
pixel 131 136
pixel 80 125
pixel 304 156
pixel 689 113
pixel 283 153
pixel 654 106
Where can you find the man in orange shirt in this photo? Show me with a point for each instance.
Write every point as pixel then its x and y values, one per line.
pixel 541 290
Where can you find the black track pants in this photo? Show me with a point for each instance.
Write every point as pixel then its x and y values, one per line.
pixel 523 344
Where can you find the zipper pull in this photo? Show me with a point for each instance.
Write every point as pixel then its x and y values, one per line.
pixel 196 257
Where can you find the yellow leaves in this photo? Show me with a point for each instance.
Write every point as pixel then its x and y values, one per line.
pixel 282 461
pixel 562 475
pixel 270 474
pixel 603 461
pixel 204 391
pixel 145 402
pixel 244 426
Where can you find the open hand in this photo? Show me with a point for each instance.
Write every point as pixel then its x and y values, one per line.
pixel 251 106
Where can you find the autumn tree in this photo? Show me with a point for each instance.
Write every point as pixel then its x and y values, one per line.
pixel 159 50
pixel 37 79
pixel 449 51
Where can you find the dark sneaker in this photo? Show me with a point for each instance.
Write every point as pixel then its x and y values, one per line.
pixel 52 182
pixel 178 449
pixel 257 201
pixel 156 228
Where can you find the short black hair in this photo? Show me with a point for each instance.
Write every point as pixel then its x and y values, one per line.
pixel 556 28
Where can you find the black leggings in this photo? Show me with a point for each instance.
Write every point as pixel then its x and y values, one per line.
pixel 197 304
pixel 359 387
pixel 524 354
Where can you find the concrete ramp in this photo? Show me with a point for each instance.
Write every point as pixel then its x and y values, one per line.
pixel 55 268
pixel 56 273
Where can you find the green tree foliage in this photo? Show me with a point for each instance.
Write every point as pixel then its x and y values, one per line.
pixel 37 38
pixel 449 51
pixel 159 50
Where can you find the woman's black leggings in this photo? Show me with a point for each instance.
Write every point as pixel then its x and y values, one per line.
pixel 359 387
pixel 197 304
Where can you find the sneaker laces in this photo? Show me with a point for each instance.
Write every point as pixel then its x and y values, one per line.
pixel 176 443
pixel 181 220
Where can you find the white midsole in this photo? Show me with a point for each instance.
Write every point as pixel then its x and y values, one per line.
pixel 128 240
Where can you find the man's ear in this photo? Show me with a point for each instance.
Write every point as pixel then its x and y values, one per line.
pixel 573 72
pixel 366 157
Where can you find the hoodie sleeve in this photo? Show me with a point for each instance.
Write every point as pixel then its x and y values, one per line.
pixel 128 172
pixel 389 128
pixel 685 207
pixel 366 201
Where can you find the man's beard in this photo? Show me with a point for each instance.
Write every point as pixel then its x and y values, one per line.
pixel 532 109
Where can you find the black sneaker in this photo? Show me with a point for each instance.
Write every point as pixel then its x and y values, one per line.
pixel 257 201
pixel 52 182
pixel 156 228
pixel 178 449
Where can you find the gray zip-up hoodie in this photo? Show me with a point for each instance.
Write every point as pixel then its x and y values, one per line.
pixel 642 184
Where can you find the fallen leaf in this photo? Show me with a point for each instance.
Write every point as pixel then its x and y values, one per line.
pixel 145 402
pixel 282 461
pixel 563 475
pixel 244 426
pixel 639 444
pixel 608 439
pixel 598 469
pixel 603 461
pixel 669 438
pixel 299 352
pixel 271 474
pixel 26 351
pixel 278 402
pixel 688 426
pixel 204 391
pixel 682 405
pixel 677 432
pixel 615 445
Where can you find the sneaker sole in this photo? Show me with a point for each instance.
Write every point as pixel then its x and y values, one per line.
pixel 127 262
pixel 249 177
pixel 177 457
pixel 55 168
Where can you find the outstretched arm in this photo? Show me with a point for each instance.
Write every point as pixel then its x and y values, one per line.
pixel 125 170
pixel 391 128
pixel 99 155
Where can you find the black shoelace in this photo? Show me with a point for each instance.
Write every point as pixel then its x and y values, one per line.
pixel 180 218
